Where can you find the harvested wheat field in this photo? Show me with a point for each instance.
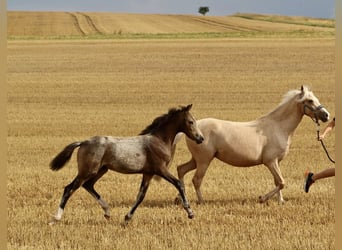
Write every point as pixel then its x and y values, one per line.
pixel 64 90
pixel 74 24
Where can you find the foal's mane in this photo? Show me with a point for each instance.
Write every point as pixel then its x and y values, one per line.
pixel 161 121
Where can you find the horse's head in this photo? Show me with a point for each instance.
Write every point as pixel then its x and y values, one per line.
pixel 311 105
pixel 189 125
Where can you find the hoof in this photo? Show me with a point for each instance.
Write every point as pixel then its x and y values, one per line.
pixel 127 219
pixel 107 216
pixel 124 223
pixel 261 199
pixel 52 222
pixel 191 216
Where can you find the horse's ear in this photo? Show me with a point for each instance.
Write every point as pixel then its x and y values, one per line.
pixel 187 108
pixel 302 90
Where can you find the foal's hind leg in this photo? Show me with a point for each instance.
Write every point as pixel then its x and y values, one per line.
pixel 68 191
pixel 89 186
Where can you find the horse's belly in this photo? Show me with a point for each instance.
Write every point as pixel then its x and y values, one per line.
pixel 243 158
pixel 128 165
pixel 125 157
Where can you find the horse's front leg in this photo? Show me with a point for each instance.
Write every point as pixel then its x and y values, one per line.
pixel 141 195
pixel 279 182
pixel 279 193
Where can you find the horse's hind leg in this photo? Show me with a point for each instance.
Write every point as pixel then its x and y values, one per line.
pixel 68 191
pixel 182 170
pixel 141 195
pixel 198 178
pixel 185 168
pixel 89 186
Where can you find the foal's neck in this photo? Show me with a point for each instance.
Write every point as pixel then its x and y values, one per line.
pixel 167 134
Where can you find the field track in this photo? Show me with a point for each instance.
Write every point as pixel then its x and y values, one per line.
pixel 45 24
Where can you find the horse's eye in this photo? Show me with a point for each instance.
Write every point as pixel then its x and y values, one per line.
pixel 310 101
pixel 191 122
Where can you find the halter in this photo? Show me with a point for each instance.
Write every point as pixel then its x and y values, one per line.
pixel 314 110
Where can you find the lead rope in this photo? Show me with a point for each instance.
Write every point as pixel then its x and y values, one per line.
pixel 322 143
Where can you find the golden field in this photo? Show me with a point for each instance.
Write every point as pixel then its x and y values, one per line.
pixel 60 91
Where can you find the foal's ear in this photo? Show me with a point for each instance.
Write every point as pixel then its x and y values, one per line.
pixel 187 108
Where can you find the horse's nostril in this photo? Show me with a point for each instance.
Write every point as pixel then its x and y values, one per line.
pixel 326 115
pixel 199 139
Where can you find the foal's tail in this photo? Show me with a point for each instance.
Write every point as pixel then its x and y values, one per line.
pixel 63 157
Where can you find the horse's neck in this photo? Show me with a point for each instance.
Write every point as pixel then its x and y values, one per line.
pixel 287 115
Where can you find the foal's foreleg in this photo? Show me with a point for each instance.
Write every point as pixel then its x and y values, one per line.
pixel 89 186
pixel 141 195
pixel 180 187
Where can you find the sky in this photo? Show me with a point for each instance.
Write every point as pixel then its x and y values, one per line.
pixel 309 8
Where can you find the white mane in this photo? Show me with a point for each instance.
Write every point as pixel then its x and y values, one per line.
pixel 292 93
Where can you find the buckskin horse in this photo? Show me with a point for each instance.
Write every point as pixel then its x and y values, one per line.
pixel 265 140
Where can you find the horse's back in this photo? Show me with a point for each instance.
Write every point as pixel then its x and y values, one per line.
pixel 121 154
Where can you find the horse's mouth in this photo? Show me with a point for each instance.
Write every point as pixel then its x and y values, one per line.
pixel 324 119
pixel 323 116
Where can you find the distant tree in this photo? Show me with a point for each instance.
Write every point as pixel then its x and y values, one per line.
pixel 203 10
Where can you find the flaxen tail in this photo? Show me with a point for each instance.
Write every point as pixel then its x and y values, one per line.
pixel 63 157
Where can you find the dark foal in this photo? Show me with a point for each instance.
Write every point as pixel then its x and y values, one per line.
pixel 148 154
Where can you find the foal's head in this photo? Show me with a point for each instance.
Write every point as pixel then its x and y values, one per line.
pixel 189 125
pixel 311 105
pixel 179 120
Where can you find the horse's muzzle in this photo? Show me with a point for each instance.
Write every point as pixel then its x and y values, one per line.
pixel 199 139
pixel 323 115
